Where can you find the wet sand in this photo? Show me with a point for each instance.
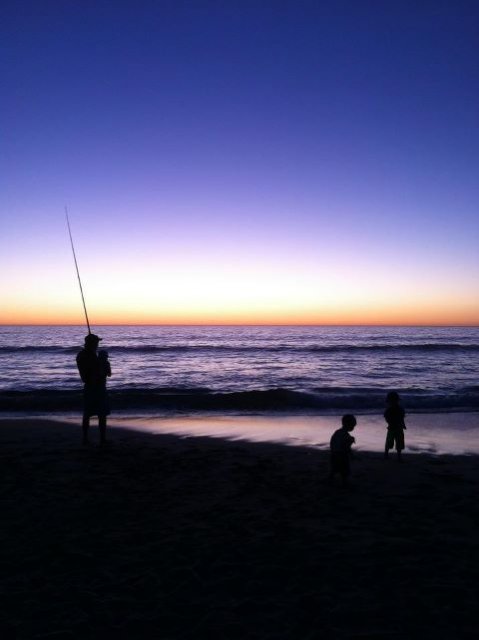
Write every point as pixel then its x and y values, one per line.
pixel 163 536
pixel 435 433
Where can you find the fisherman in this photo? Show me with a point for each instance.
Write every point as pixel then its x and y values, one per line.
pixel 94 372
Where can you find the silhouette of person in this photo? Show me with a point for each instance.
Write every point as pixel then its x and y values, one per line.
pixel 94 369
pixel 394 416
pixel 340 445
pixel 104 363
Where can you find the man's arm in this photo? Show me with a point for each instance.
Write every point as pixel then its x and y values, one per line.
pixel 85 368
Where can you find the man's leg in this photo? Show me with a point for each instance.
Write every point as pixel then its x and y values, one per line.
pixel 102 427
pixel 85 426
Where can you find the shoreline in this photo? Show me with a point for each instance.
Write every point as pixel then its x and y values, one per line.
pixel 189 537
pixel 436 433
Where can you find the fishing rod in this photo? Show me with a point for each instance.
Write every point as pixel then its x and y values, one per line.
pixel 78 272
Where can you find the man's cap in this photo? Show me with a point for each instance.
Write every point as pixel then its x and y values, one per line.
pixel 92 338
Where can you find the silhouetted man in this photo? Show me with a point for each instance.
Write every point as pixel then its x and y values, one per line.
pixel 94 372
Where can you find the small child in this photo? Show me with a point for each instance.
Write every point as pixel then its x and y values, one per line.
pixel 104 364
pixel 340 444
pixel 394 416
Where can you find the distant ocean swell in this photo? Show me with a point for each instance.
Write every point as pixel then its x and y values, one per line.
pixel 145 349
pixel 256 369
pixel 282 400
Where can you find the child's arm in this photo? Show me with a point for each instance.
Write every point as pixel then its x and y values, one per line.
pixel 351 441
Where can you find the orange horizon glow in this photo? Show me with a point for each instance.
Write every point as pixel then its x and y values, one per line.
pixel 237 324
pixel 251 295
pixel 370 318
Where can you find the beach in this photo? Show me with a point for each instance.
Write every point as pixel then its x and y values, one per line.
pixel 174 536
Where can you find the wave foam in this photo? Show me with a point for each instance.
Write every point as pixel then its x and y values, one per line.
pixel 203 399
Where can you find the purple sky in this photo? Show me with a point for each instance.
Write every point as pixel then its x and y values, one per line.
pixel 240 160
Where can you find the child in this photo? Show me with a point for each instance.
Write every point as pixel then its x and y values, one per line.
pixel 104 364
pixel 340 444
pixel 394 416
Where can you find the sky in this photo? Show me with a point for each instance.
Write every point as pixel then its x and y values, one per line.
pixel 240 161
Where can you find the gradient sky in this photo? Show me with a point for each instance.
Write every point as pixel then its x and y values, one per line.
pixel 240 161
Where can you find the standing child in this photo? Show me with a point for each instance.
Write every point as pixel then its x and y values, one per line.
pixel 340 444
pixel 104 364
pixel 394 416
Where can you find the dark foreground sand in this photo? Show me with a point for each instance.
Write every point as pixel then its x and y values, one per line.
pixel 169 538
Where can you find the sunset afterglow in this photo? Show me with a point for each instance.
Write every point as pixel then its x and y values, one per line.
pixel 249 166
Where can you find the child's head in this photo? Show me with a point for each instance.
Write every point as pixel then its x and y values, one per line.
pixel 348 421
pixel 392 398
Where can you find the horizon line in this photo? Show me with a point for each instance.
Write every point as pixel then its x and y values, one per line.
pixel 238 324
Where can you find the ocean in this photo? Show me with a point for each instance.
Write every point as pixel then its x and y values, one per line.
pixel 163 370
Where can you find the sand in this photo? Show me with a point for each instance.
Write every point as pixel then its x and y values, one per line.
pixel 162 536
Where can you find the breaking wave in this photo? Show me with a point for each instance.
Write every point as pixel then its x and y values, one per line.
pixel 169 399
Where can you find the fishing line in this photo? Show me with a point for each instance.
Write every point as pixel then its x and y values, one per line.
pixel 78 271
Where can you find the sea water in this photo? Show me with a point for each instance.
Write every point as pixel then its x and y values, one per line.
pixel 308 370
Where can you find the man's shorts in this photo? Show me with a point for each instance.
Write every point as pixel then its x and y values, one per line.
pixel 95 401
